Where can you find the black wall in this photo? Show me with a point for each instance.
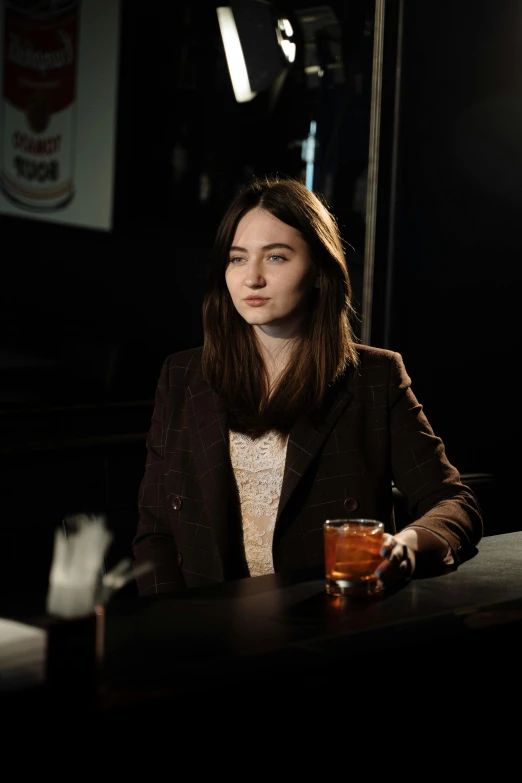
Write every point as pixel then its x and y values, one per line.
pixel 457 270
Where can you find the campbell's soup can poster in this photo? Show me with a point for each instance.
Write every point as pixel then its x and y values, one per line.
pixel 59 70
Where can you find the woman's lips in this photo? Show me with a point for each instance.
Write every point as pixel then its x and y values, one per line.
pixel 256 301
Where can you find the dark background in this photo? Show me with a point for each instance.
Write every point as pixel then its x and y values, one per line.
pixel 87 317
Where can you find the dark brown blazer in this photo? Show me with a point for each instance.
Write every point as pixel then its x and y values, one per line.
pixel 370 431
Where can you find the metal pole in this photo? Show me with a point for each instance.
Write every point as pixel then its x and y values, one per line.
pixel 390 256
pixel 373 172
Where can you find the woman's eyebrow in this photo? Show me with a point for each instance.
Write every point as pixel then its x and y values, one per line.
pixel 271 246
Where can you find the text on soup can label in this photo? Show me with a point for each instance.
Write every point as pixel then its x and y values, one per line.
pixel 39 103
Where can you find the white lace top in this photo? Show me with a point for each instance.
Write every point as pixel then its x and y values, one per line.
pixel 258 468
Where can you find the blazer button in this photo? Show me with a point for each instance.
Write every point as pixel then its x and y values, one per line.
pixel 176 503
pixel 179 558
pixel 351 504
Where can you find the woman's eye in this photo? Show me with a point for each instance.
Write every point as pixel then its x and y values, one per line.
pixel 236 260
pixel 276 258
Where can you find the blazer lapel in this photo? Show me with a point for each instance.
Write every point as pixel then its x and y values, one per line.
pixel 208 425
pixel 306 438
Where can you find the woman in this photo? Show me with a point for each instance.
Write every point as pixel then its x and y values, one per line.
pixel 282 420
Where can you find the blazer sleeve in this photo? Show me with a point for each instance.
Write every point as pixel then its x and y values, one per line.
pixel 437 499
pixel 154 540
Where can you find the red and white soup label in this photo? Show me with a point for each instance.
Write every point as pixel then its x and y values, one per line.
pixel 39 105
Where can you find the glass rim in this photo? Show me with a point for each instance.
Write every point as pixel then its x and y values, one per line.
pixel 359 522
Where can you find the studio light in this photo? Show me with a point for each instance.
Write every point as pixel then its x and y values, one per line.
pixel 258 46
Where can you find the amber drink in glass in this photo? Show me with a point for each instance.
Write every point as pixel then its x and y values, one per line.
pixel 352 554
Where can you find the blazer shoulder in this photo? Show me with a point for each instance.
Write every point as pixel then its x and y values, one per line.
pixel 368 354
pixel 184 366
pixel 185 359
pixel 377 363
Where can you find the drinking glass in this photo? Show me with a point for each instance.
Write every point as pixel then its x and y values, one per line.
pixel 352 553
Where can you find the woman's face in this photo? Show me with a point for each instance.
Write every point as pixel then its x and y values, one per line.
pixel 270 274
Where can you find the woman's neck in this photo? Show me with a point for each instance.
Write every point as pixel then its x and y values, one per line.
pixel 276 352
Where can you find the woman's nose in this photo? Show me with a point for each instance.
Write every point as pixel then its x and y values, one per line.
pixel 254 277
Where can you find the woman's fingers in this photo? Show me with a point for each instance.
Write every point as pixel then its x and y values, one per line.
pixel 398 562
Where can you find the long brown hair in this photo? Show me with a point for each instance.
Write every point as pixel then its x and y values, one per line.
pixel 232 363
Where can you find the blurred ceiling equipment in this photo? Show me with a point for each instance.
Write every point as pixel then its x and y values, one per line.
pixel 261 45
pixel 321 36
